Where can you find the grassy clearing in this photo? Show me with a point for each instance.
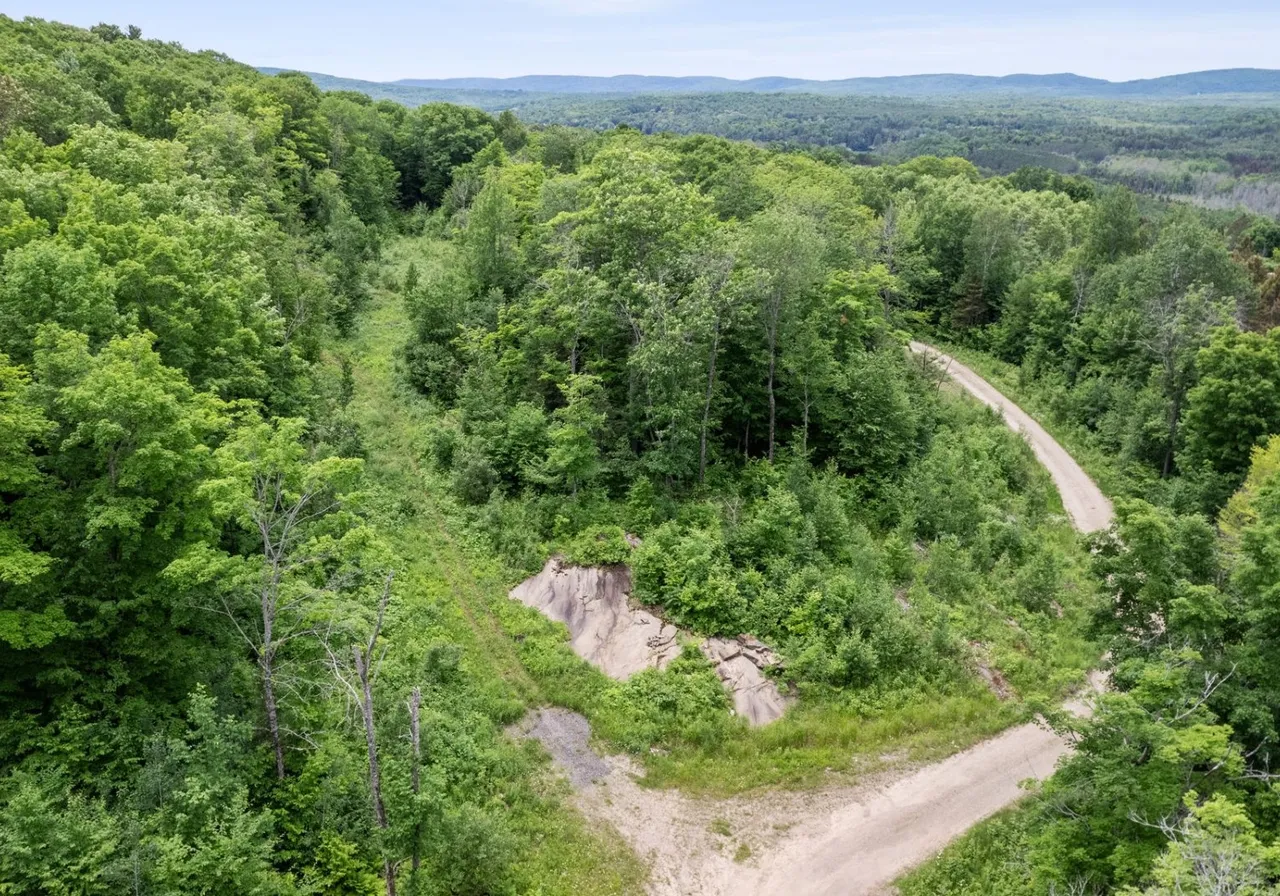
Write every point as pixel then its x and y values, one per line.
pixel 445 599
pixel 526 660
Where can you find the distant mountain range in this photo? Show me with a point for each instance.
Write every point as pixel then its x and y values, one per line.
pixel 1236 80
pixel 491 91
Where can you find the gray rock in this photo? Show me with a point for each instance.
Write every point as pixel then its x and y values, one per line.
pixel 567 737
pixel 604 629
pixel 740 663
pixel 621 639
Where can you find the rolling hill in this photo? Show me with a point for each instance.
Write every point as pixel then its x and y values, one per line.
pixel 1223 82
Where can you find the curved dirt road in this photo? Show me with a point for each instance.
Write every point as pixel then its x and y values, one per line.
pixel 1088 507
pixel 846 841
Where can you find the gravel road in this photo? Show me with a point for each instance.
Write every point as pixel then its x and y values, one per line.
pixel 1088 507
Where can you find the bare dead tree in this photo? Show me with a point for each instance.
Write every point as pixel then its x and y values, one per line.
pixel 415 769
pixel 280 518
pixel 280 526
pixel 358 679
pixel 1078 886
pixel 1218 865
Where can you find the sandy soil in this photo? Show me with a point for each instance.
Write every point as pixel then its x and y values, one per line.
pixel 850 841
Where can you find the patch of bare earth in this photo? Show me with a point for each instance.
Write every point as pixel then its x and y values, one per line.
pixel 610 632
pixel 836 841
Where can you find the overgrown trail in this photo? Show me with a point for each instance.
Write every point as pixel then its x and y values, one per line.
pixel 392 433
pixel 1087 506
pixel 851 840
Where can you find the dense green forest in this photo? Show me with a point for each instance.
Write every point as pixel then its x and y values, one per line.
pixel 1218 152
pixel 1217 155
pixel 192 551
pixel 294 385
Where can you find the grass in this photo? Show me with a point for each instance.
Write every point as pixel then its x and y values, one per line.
pixel 446 595
pixel 990 854
pixel 526 661
pixel 819 743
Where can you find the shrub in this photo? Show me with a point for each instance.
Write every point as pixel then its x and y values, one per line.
pixel 599 546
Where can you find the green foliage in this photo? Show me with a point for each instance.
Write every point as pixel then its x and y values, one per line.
pixel 605 546
pixel 202 835
pixel 714 363
pixel 992 853
pixel 1216 849
pixel 1233 404
pixel 685 704
pixel 55 841
pixel 183 241
pixel 687 571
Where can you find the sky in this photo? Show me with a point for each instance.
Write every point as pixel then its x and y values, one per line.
pixel 383 41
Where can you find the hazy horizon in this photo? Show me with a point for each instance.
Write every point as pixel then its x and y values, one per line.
pixel 808 39
pixel 939 74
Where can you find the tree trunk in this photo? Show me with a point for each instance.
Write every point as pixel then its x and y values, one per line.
pixel 771 336
pixel 1174 411
pixel 773 403
pixel 389 875
pixel 273 716
pixel 415 777
pixel 706 404
pixel 804 433
pixel 364 660
pixel 366 711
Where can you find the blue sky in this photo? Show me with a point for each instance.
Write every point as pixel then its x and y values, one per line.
pixel 803 38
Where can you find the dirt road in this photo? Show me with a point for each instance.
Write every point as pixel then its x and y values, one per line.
pixel 1088 508
pixel 848 841
pixel 863 846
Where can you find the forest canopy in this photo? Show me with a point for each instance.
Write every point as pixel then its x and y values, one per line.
pixel 295 384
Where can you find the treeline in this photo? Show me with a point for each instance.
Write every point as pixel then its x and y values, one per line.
pixel 1153 337
pixel 191 556
pixel 1061 134
pixel 1154 148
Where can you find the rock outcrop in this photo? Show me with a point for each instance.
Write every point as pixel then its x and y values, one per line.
pixel 619 639
pixel 605 630
pixel 740 662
